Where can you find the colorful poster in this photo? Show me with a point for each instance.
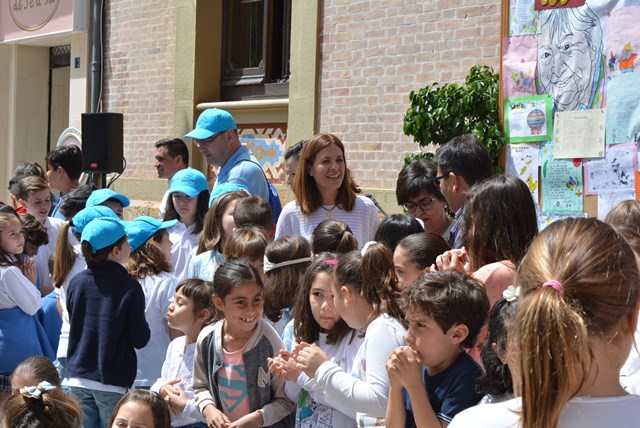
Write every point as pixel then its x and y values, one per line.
pixel 623 109
pixel 545 219
pixel 614 173
pixel 528 118
pixel 562 188
pixel 571 61
pixel 522 162
pixel 523 19
pixel 519 66
pixel 579 134
pixel 622 44
pixel 607 201
pixel 557 4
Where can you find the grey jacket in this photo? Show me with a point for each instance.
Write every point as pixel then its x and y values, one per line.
pixel 266 393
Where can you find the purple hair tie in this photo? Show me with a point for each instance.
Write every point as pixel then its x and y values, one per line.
pixel 556 285
pixel 331 262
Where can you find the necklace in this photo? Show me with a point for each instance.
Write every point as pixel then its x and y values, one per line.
pixel 329 210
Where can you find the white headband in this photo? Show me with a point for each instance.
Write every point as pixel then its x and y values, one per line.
pixel 271 266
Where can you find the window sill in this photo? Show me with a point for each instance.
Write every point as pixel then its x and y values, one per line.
pixel 254 111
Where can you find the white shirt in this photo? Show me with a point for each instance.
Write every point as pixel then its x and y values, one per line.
pixel 159 291
pixel 184 241
pixel 363 220
pixel 581 412
pixel 78 266
pixel 41 259
pixel 179 365
pixel 17 291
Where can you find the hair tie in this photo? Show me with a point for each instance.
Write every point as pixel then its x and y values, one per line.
pixel 271 266
pixel 331 262
pixel 511 293
pixel 36 391
pixel 556 285
pixel 366 247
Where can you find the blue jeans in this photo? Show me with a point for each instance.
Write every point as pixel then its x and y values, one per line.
pixel 97 406
pixel 194 425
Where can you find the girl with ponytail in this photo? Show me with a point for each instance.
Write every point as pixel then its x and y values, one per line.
pixel 366 297
pixel 573 331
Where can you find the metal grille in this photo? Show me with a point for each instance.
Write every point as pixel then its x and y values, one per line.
pixel 60 56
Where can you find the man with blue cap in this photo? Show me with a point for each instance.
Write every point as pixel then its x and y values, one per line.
pixel 216 136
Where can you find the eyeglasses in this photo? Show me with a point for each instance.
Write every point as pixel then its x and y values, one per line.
pixel 437 179
pixel 424 204
pixel 207 141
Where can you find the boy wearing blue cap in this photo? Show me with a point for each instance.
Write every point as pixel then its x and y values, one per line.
pixel 108 198
pixel 106 314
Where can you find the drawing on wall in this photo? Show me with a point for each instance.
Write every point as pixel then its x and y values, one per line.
pixel 571 64
pixel 579 134
pixel 519 66
pixel 623 108
pixel 623 40
pixel 522 18
pixel 528 118
pixel 557 4
pixel 614 173
pixel 562 188
pixel 522 162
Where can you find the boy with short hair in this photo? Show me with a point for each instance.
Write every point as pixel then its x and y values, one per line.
pixel 254 210
pixel 434 375
pixel 34 196
pixel 64 168
pixel 108 198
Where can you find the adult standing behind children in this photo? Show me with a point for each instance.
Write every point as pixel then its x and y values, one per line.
pixel 171 156
pixel 325 190
pixel 462 162
pixel 216 136
pixel 64 168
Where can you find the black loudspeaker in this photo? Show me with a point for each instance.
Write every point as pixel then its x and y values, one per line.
pixel 102 142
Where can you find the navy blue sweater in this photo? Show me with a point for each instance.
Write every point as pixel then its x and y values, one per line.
pixel 106 314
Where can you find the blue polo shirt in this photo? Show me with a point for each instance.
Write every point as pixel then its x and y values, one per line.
pixel 240 170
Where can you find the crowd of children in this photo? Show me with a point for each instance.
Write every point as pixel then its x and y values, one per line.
pixel 202 319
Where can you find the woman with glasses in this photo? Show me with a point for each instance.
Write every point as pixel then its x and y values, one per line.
pixel 325 190
pixel 418 192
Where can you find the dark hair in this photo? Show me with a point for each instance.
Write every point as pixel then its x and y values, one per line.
pixel 423 248
pixel 396 227
pixel 148 259
pixel 32 183
pixel 304 186
pixel 25 169
pixel 69 158
pixel 233 273
pixel 175 147
pixel 371 276
pixel 157 405
pixel 418 176
pixel 7 259
pixel 74 201
pixel 201 294
pixel 465 155
pixel 53 409
pixel 8 209
pixel 496 379
pixel 201 211
pixel 253 210
pixel 295 150
pixel 283 282
pixel 499 221
pixel 247 243
pixel 101 254
pixel 211 236
pixel 450 298
pixel 34 232
pixel 40 368
pixel 305 326
pixel 334 236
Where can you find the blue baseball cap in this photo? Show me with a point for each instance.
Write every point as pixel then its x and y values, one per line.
pixel 102 232
pixel 100 196
pixel 212 121
pixel 189 181
pixel 142 228
pixel 223 188
pixel 83 217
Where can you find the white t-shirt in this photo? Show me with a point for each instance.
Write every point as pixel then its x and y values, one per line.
pixel 363 220
pixel 78 266
pixel 365 388
pixel 581 412
pixel 630 371
pixel 184 241
pixel 53 226
pixel 159 291
pixel 17 290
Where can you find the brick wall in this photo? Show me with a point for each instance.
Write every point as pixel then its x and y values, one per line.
pixel 374 53
pixel 139 64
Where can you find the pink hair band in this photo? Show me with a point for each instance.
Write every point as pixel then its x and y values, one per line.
pixel 331 262
pixel 556 285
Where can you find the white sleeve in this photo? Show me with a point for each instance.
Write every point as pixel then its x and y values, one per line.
pixel 166 368
pixel 374 222
pixel 284 227
pixel 369 395
pixel 21 291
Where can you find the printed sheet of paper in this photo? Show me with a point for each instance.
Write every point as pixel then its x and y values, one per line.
pixel 579 134
pixel 562 187
pixel 614 173
pixel 522 162
pixel 528 118
pixel 519 66
pixel 523 19
pixel 545 219
pixel 622 43
pixel 623 108
pixel 607 201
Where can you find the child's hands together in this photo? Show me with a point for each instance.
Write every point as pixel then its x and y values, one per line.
pixel 284 366
pixel 175 397
pixel 456 259
pixel 215 418
pixel 309 358
pixel 28 268
pixel 404 367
